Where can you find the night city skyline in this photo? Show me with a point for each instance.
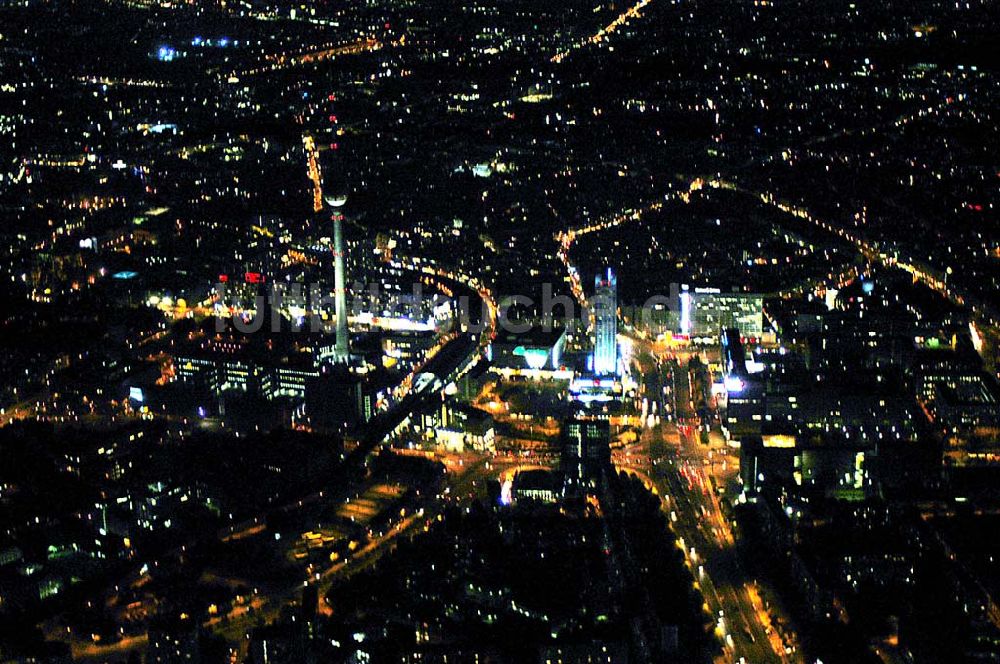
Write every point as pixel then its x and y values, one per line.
pixel 499 331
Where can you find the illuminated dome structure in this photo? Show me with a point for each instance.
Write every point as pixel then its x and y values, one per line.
pixel 337 201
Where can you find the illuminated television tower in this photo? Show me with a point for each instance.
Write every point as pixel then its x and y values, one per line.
pixel 335 204
pixel 342 349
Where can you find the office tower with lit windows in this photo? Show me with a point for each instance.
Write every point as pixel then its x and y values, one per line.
pixel 586 452
pixel 605 308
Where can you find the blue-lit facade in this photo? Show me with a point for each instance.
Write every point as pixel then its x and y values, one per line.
pixel 605 307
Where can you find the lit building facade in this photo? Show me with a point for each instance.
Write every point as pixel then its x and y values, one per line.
pixel 705 312
pixel 605 306
pixel 535 352
pixel 586 452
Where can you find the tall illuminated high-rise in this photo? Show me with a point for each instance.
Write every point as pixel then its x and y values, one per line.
pixel 605 307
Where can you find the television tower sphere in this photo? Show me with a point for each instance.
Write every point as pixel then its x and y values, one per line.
pixel 336 201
